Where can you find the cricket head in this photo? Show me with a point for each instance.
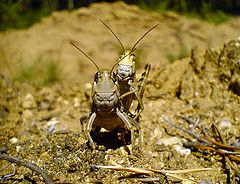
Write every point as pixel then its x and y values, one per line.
pixel 105 92
pixel 126 66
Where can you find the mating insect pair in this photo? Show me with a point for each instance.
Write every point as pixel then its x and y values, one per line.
pixel 112 97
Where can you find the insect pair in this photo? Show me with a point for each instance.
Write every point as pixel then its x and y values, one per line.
pixel 113 94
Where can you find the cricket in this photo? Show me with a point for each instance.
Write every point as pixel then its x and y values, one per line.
pixel 107 110
pixel 113 94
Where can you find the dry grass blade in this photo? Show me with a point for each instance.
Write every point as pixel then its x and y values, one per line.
pixel 171 173
pixel 183 171
pixel 128 169
pixel 151 171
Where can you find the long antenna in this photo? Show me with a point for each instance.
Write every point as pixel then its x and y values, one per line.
pixel 134 46
pixel 86 56
pixel 113 34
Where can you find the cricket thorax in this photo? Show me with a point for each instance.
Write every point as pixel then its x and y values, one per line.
pixel 105 93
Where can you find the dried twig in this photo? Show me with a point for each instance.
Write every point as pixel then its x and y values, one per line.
pixel 10 174
pixel 172 173
pixel 223 140
pixel 197 136
pixel 221 148
pixel 200 138
pixel 27 164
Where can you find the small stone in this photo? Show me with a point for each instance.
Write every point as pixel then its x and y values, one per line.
pixel 81 140
pixel 18 148
pixel 156 133
pixel 13 140
pixel 29 101
pixel 76 102
pixel 182 151
pixel 51 124
pixel 204 182
pixel 56 126
pixel 44 104
pixel 237 44
pixel 169 141
pixel 225 124
pixel 222 58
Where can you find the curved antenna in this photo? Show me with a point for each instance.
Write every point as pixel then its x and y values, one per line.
pixel 134 46
pixel 121 60
pixel 113 34
pixel 86 56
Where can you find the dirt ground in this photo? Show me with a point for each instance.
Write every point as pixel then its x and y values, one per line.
pixel 41 123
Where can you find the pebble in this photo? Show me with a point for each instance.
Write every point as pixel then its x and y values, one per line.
pixel 51 124
pixel 204 182
pixel 76 102
pixel 237 44
pixel 44 104
pixel 224 124
pixel 18 148
pixel 156 133
pixel 13 140
pixel 182 151
pixel 169 141
pixel 29 101
pixel 56 126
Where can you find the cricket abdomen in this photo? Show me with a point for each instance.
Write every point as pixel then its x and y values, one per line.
pixel 109 121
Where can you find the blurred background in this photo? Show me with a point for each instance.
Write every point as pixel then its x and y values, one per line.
pixel 35 34
pixel 22 13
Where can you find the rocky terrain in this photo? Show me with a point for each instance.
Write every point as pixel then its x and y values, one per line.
pixel 195 74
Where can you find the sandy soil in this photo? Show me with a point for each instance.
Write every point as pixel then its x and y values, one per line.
pixel 41 123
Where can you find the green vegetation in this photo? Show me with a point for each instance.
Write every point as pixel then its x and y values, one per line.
pixel 23 13
pixel 18 14
pixel 42 72
pixel 206 10
pixel 182 53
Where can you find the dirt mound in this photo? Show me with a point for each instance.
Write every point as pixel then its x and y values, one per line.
pixel 47 43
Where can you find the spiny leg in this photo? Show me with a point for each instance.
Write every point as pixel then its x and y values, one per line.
pixel 140 107
pixel 89 128
pixel 142 81
pixel 141 88
pixel 131 124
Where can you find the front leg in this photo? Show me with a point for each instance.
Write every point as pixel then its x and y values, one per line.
pixel 131 125
pixel 89 128
pixel 139 99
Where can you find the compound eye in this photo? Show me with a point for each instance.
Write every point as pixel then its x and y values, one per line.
pixel 97 76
